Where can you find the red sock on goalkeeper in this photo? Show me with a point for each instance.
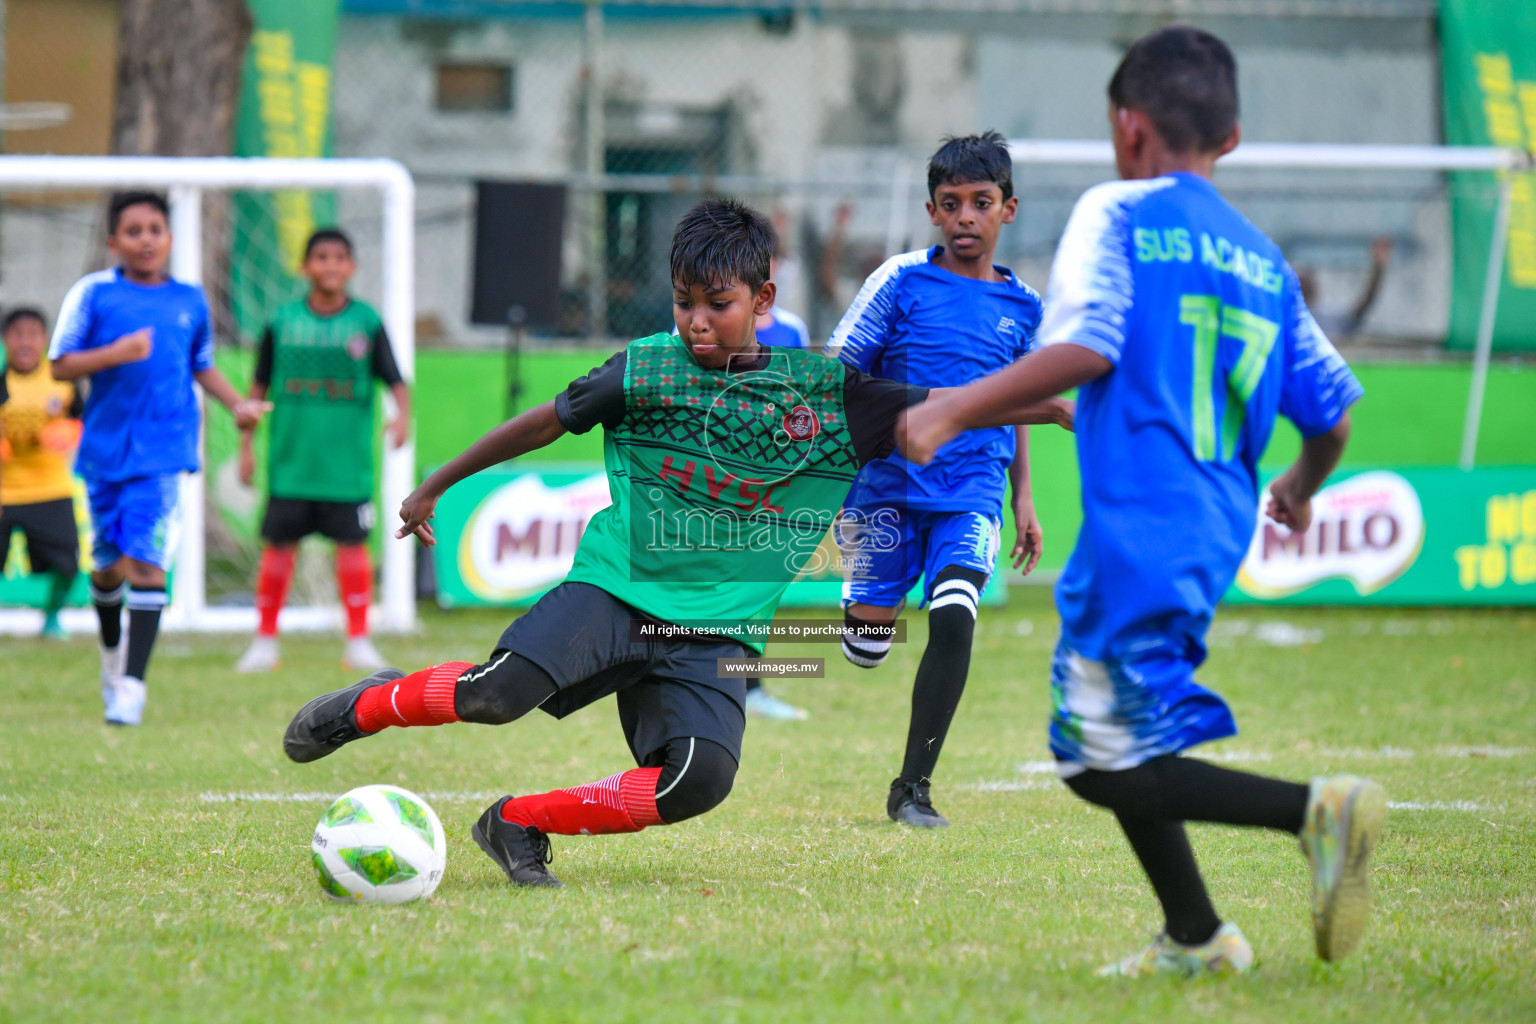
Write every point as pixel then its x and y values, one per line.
pixel 272 579
pixel 354 580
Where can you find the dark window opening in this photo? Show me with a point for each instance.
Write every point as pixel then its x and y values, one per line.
pixel 474 88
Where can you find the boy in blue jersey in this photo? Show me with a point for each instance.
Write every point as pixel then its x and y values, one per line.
pixel 143 338
pixel 1187 332
pixel 782 329
pixel 938 317
pixel 779 327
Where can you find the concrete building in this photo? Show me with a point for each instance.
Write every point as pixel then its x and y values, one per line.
pixel 815 109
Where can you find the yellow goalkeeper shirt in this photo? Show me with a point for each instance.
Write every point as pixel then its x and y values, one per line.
pixel 32 471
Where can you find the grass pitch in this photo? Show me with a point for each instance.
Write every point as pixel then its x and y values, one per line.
pixel 163 872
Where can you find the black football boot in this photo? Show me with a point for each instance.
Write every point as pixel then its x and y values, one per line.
pixel 909 804
pixel 521 852
pixel 329 722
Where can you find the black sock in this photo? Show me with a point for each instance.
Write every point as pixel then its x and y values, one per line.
pixel 1183 789
pixel 109 612
pixel 1165 854
pixel 942 672
pixel 144 608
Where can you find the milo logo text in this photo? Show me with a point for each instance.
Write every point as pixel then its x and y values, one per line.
pixel 1367 529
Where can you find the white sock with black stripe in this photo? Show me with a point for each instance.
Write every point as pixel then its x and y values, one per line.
pixel 955 591
pixel 865 643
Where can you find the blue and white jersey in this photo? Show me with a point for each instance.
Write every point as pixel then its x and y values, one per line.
pixel 918 323
pixel 141 419
pixel 1210 338
pixel 786 331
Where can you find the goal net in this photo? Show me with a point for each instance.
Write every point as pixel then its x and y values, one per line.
pixel 239 228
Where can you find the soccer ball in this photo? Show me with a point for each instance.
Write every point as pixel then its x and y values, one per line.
pixel 379 844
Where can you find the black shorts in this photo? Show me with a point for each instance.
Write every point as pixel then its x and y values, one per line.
pixel 53 540
pixel 290 520
pixel 667 689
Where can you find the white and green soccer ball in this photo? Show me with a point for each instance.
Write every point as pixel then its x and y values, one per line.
pixel 379 844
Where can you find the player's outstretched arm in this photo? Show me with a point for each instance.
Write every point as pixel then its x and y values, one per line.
pixel 1014 394
pixel 520 435
pixel 1060 411
pixel 1290 495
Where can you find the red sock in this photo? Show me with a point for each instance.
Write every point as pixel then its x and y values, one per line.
pixel 272 579
pixel 625 802
pixel 421 698
pixel 354 578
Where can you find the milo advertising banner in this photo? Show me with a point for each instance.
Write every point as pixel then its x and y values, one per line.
pixel 1402 537
pixel 505 537
pixel 285 111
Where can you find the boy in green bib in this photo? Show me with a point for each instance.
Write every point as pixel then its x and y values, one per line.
pixel 727 463
pixel 317 364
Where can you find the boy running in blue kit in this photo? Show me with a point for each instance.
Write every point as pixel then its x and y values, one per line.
pixel 1188 334
pixel 938 317
pixel 143 338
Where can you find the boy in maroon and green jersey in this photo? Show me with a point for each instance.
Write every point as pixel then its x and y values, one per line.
pixel 318 361
pixel 727 463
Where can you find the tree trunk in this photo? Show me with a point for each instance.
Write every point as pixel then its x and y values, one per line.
pixel 178 76
pixel 179 64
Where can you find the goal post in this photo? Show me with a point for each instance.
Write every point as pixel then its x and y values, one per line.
pixel 1320 156
pixel 186 180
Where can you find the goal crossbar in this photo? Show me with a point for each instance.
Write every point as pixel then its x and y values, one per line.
pixel 1322 156
pixel 185 179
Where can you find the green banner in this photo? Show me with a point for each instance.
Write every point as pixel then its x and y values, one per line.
pixel 1489 57
pixel 1403 537
pixel 285 111
pixel 506 536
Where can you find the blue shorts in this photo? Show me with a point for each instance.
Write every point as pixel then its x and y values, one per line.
pixel 886 549
pixel 134 518
pixel 1116 714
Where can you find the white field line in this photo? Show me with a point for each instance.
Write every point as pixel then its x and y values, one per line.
pixel 1032 785
pixel 311 798
pixel 1011 785
pixel 1017 785
pixel 1464 806
pixel 985 786
pixel 1352 754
